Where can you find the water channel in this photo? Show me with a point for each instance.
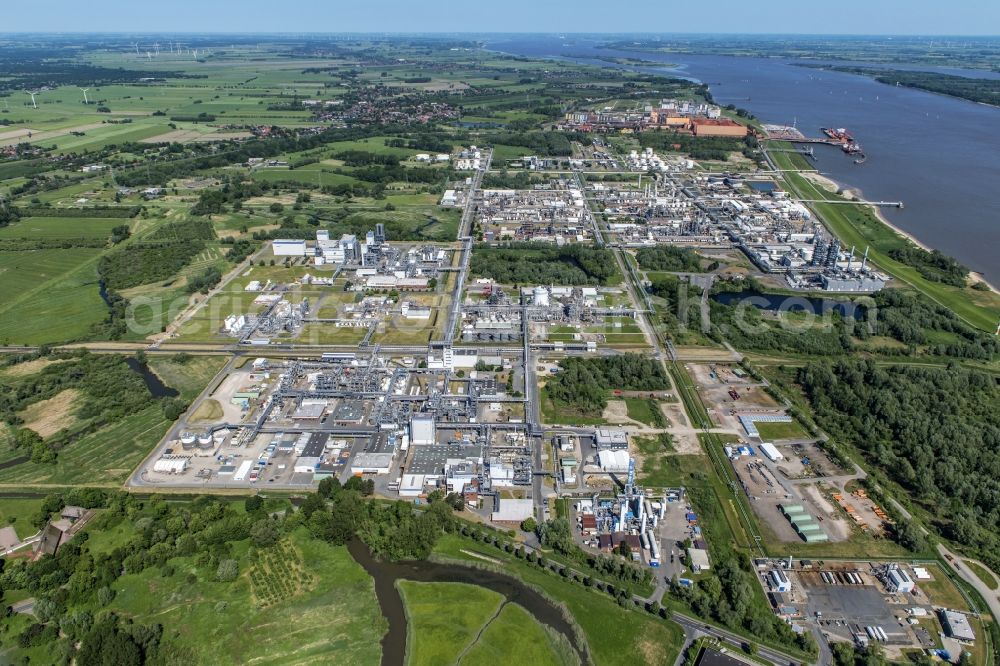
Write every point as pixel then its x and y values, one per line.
pixel 153 382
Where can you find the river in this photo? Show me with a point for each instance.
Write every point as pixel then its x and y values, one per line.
pixel 937 154
pixel 390 602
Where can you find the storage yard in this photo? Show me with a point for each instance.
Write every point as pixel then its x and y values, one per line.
pixel 898 606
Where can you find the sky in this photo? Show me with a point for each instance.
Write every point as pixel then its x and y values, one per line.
pixel 898 17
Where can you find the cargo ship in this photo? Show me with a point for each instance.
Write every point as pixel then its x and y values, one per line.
pixel 838 134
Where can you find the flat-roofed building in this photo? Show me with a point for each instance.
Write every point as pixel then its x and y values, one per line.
pixel 717 127
pixel 513 511
pixel 288 247
pixel 371 463
pixel 956 625
pixel 422 430
pixel 611 438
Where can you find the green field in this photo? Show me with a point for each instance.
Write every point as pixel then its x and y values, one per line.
pixel 107 456
pixel 984 574
pixel 515 637
pixel 659 466
pixel 444 619
pixel 189 375
pixel 20 513
pixel 564 415
pixel 646 410
pixel 615 636
pixel 61 227
pixel 769 431
pixel 452 623
pixel 49 295
pixel 331 616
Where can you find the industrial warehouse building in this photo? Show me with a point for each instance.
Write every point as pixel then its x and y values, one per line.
pixel 613 461
pixel 717 127
pixel 611 438
pixel 288 247
pixel 898 580
pixel 698 559
pixel 957 626
pixel 371 463
pixel 422 430
pixel 513 511
pixel 779 581
pixel 171 465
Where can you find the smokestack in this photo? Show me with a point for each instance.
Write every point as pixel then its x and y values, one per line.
pixel 864 261
pixel 850 259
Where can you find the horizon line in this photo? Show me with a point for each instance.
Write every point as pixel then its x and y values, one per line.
pixel 470 32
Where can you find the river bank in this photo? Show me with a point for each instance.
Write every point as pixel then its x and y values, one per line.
pixel 929 150
pixel 863 226
pixel 834 187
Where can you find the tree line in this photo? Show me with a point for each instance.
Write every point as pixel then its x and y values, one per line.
pixel 933 431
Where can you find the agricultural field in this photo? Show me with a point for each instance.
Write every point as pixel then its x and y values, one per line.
pixel 49 295
pixel 60 227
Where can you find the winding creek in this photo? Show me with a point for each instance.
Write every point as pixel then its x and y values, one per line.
pixel 390 601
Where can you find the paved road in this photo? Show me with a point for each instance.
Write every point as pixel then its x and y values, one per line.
pixel 966 574
pixel 690 624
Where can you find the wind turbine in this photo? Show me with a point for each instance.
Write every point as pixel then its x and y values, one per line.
pixel 194 53
pixel 136 45
pixel 85 100
pixel 33 99
pixel 156 48
pixel 149 56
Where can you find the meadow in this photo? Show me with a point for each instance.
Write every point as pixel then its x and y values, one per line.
pixel 331 617
pixel 49 295
pixel 61 227
pixel 614 635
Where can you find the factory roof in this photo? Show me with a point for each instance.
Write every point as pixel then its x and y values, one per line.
pixel 384 443
pixel 314 447
pixel 411 485
pixel 431 459
pixel 422 429
pixel 349 410
pixel 371 461
pixel 699 558
pixel 312 411
pixel 612 461
pixel 957 626
pixel 513 510
pixel 606 436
